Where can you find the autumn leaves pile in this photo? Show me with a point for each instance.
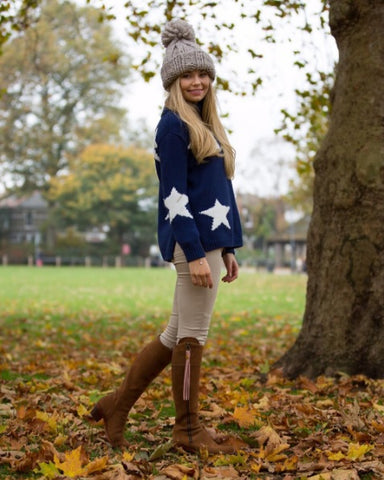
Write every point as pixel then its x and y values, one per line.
pixel 54 369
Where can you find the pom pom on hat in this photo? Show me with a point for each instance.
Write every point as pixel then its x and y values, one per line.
pixel 177 30
pixel 182 54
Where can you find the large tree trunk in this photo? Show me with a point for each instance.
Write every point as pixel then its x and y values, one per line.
pixel 343 327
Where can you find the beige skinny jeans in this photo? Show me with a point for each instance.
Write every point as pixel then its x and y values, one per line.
pixel 192 305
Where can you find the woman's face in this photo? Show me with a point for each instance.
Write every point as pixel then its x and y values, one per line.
pixel 194 85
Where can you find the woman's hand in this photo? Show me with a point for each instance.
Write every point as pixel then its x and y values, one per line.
pixel 201 273
pixel 232 267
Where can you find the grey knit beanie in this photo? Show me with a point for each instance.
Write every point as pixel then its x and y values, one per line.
pixel 182 54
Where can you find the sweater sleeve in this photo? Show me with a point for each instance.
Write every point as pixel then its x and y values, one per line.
pixel 173 156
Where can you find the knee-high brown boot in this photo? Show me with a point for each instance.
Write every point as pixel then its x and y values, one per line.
pixel 188 431
pixel 114 408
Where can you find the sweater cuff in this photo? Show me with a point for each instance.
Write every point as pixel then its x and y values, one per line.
pixel 228 250
pixel 192 253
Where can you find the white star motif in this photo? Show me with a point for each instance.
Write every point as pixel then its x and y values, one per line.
pixel 176 203
pixel 219 215
pixel 157 158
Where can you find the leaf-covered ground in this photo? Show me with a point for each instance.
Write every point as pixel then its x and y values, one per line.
pixel 54 366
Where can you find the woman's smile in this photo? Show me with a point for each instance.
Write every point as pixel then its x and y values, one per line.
pixel 194 85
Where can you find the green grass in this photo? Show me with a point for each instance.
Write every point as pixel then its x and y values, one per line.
pixel 53 305
pixel 139 291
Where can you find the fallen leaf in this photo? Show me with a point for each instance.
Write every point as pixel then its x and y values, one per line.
pixel 48 470
pixel 215 411
pixel 336 475
pixel 82 411
pixel 336 456
pixel 178 472
pixel 227 472
pixel 128 456
pixel 244 417
pixel 72 465
pixel 96 465
pixel 357 451
pixel 269 437
pixel 161 450
pixel 50 420
pixel 131 468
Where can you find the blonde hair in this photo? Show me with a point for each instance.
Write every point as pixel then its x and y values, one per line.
pixel 205 130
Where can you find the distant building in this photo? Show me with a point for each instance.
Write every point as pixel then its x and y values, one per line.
pixel 289 245
pixel 22 218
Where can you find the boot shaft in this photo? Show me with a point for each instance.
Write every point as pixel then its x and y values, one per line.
pixel 188 432
pixel 115 407
pixel 186 369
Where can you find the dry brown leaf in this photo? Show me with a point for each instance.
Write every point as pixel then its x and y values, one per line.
pixel 375 466
pixel 115 473
pixel 131 468
pixel 269 437
pixel 50 451
pixel 307 384
pixel 178 472
pixel 7 410
pixel 378 426
pixel 215 411
pixel 223 473
pixel 337 475
pixel 9 457
pixel 352 417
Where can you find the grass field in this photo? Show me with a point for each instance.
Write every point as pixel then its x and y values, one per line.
pixel 136 291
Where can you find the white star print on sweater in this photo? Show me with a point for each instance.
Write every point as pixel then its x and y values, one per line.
pixel 176 203
pixel 219 215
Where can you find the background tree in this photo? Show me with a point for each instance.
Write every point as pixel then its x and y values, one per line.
pixel 343 327
pixel 62 83
pixel 305 129
pixel 15 18
pixel 113 187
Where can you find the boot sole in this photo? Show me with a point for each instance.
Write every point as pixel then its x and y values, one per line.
pixel 218 451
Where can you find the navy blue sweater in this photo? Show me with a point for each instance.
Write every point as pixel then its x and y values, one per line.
pixel 197 207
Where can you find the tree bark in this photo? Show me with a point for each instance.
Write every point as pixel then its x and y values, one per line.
pixel 343 325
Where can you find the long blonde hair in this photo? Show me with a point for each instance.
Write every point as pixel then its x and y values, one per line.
pixel 205 130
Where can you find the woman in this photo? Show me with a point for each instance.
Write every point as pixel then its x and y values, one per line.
pixel 198 230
